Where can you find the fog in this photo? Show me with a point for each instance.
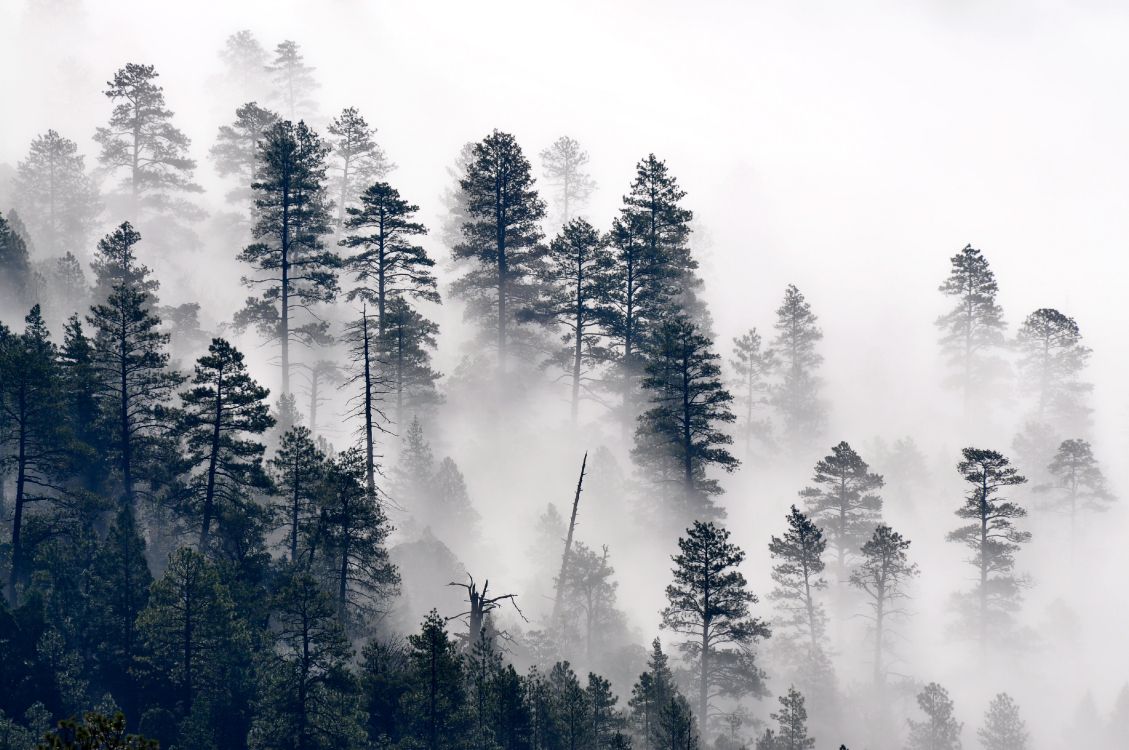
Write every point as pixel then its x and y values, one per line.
pixel 847 148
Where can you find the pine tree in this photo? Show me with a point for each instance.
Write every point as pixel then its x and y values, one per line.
pixel 383 684
pixel 292 215
pixel 221 416
pixel 844 501
pixel 575 279
pixel 143 144
pixel 415 470
pixel 82 387
pixel 366 406
pixel 1052 357
pixel 563 167
pixel 293 82
pixel 309 701
pixel 405 350
pixel 1003 728
pixel 972 333
pixel 55 195
pixel 753 363
pixel 192 636
pixel 883 574
pixel 604 721
pixel 435 703
pixel 236 150
pixel 452 515
pixel 131 363
pixel 791 721
pixel 940 730
pixel 993 540
pixel 708 604
pixel 677 728
pixel 653 690
pixel 798 577
pixel 116 264
pixel 679 438
pixel 357 158
pixel 33 434
pixel 590 593
pixel 355 530
pixel 16 280
pixel 67 291
pixel 245 65
pixel 796 397
pixel 1079 484
pixel 297 469
pixel 568 703
pixel 96 731
pixel 501 237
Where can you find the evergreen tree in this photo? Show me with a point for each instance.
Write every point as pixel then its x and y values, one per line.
pixel 753 363
pixel 652 691
pixel 844 501
pixel 940 730
pixel 1079 484
pixel 1052 356
pixel 798 577
pixel 297 469
pixel 1003 728
pixel 435 703
pixel 405 351
pixel 355 530
pixel 319 375
pixel 293 82
pixel 96 731
pixel 142 143
pixel 310 699
pixel 679 438
pixel 575 280
pixel 677 729
pixel 590 593
pixel 16 279
pixel 791 721
pixel 415 469
pixel 882 575
pixel 33 434
pixel 796 397
pixel 245 65
pixel 569 708
pixel 291 217
pixel 221 415
pixel 452 514
pixel 193 639
pixel 55 196
pixel 993 539
pixel 604 722
pixel 131 363
pixel 116 264
pixel 357 158
pixel 236 150
pixel 563 167
pixel 383 684
pixel 501 237
pixel 972 333
pixel 67 291
pixel 708 604
pixel 81 388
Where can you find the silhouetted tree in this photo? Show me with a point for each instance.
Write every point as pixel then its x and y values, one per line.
pixel 292 264
pixel 653 690
pixel 366 404
pixel 435 702
pixel 1052 357
pixel 1079 484
pixel 883 574
pixel 357 159
pixel 679 437
pixel 297 469
pixel 993 539
pixel 501 236
pixel 563 166
pixel 16 279
pixel 972 333
pixel 708 604
pixel 405 351
pixel 1003 728
pixel 940 730
pixel 797 396
pixel 55 196
pixel 95 731
pixel 798 577
pixel 753 363
pixel 293 81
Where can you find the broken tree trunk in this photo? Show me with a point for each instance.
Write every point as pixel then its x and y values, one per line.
pixel 568 539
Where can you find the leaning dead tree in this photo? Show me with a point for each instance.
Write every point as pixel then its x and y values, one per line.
pixel 481 604
pixel 568 539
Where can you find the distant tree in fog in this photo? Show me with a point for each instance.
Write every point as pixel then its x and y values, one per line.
pixel 796 396
pixel 501 237
pixel 792 723
pixel 972 333
pixel 236 150
pixel 1003 728
pixel 405 352
pixel 356 159
pixel 245 65
pixel 709 605
pixel 293 82
pixel 940 730
pixel 1052 357
pixel 679 438
pixel 883 575
pixel 16 279
pixel 564 169
pixel 753 364
pixel 589 596
pixel 1079 485
pixel 844 501
pixel 993 539
pixel 797 572
pixel 143 145
pixel 291 263
pixel 55 196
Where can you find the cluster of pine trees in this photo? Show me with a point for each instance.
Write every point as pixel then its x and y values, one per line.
pixel 184 561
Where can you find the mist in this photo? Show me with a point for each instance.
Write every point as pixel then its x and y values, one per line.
pixel 850 150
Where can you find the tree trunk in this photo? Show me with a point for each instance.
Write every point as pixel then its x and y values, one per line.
pixel 213 461
pixel 370 451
